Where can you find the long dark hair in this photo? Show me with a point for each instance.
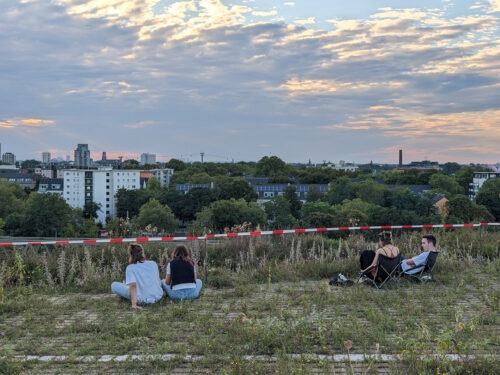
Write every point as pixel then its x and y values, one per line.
pixel 181 252
pixel 135 254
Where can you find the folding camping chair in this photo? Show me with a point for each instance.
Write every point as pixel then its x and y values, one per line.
pixel 386 269
pixel 424 271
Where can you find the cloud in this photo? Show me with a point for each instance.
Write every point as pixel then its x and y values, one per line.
pixel 108 89
pixel 306 21
pixel 207 69
pixel 264 14
pixel 296 86
pixel 24 123
pixel 494 6
pixel 141 125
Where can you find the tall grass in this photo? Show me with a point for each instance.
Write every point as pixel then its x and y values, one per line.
pixel 260 259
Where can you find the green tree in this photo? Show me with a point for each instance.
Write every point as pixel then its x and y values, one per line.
pixel 79 226
pixel 188 177
pixel 371 192
pixel 295 204
pixel 318 175
pixel 90 210
pixel 271 166
pixel 154 214
pixel 403 199
pixel 228 213
pixel 489 196
pixel 46 215
pixel 194 201
pixel 464 177
pixel 319 214
pixel 450 168
pixel 354 212
pixel 233 187
pixel 131 164
pixel 153 186
pixel 461 208
pixel 176 164
pixel 12 206
pixel 278 211
pixel 314 195
pixel 129 202
pixel 445 184
pixel 339 190
pixel 30 164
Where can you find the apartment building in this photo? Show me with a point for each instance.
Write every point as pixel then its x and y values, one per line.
pixel 478 180
pixel 163 175
pixel 98 186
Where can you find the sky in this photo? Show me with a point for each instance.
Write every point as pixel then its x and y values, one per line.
pixel 304 80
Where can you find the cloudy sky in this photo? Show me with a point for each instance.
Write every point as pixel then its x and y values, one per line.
pixel 238 80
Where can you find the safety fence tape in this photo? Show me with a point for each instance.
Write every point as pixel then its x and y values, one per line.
pixel 243 234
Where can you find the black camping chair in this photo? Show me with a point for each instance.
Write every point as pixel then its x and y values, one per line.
pixel 386 269
pixel 424 271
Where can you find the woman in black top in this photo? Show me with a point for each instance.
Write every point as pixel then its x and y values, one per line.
pixel 180 281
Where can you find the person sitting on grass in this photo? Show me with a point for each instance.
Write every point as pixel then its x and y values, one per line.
pixel 414 265
pixel 142 279
pixel 180 281
pixel 369 258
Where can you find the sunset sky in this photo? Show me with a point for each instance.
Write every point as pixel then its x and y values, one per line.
pixel 238 80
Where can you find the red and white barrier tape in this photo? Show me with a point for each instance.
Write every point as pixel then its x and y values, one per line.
pixel 243 234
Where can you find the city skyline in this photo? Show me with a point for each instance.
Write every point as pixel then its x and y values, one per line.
pixel 302 80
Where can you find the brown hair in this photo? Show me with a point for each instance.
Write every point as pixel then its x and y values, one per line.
pixel 135 254
pixel 385 237
pixel 181 252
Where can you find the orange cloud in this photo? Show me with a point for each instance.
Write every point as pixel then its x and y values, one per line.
pixel 24 122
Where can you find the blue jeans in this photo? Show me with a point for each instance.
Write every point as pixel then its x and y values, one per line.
pixel 123 290
pixel 190 293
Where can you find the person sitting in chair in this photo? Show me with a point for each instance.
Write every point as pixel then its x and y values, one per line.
pixel 369 258
pixel 412 266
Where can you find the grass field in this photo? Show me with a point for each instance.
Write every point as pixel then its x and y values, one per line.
pixel 260 315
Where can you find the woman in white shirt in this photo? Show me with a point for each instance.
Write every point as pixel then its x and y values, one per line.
pixel 142 279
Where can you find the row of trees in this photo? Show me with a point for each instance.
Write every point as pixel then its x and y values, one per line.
pixel 352 198
pixel 32 214
pixel 360 198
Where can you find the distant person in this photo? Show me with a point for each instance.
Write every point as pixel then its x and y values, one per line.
pixel 369 258
pixel 414 265
pixel 142 279
pixel 180 281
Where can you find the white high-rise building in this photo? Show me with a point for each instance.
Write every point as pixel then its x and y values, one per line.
pixel 98 186
pixel 148 158
pixel 46 157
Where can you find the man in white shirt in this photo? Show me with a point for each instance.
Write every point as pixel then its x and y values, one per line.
pixel 415 264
